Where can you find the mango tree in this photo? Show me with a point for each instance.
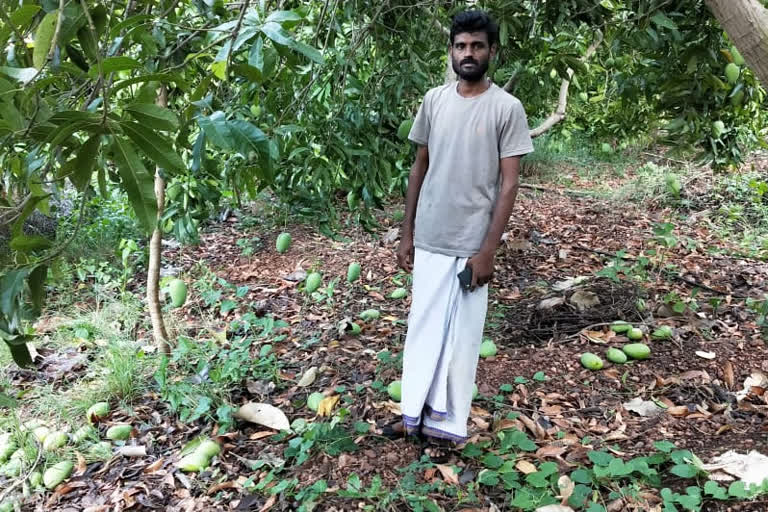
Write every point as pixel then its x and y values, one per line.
pixel 129 95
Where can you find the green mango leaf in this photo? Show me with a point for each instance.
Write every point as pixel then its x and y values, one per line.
pixel 30 207
pixel 150 77
pixel 113 64
pixel 36 283
pixel 29 243
pixel 20 353
pixel 256 54
pixel 247 138
pixel 18 18
pixel 85 163
pixel 88 44
pixel 217 129
pixel 44 38
pixel 127 24
pixel 155 146
pixel 280 36
pixel 283 16
pixel 11 286
pixel 137 183
pixel 576 64
pixel 661 20
pixel 154 116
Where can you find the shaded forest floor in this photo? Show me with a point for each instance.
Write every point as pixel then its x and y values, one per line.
pixel 249 333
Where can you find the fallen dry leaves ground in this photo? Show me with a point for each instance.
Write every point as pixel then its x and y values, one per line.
pixel 551 238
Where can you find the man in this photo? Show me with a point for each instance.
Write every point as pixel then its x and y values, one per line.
pixel 471 135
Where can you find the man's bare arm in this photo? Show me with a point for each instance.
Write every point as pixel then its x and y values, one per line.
pixel 415 181
pixel 482 262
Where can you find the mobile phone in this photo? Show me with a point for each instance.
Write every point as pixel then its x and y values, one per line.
pixel 465 278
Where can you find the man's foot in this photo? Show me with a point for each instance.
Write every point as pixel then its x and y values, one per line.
pixel 394 430
pixel 438 450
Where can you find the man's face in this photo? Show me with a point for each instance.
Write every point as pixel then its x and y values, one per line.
pixel 470 55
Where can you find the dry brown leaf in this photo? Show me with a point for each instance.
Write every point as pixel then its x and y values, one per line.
pixel 525 467
pixel 507 424
pixel 269 503
pixel 534 427
pixel 154 466
pixel 327 404
pixel 81 465
pixel 223 485
pixel 261 435
pixel 449 475
pixel 551 451
pixel 678 410
pixel 728 377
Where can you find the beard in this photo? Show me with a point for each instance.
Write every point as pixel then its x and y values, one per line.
pixel 473 74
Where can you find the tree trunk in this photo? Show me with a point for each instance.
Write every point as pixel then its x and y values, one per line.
pixel 159 331
pixel 746 22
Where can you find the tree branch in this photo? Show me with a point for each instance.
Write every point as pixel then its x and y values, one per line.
pixel 562 102
pixel 236 33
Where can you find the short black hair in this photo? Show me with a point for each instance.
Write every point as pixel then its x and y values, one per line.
pixel 475 20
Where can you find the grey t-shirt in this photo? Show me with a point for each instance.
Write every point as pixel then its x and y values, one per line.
pixel 466 138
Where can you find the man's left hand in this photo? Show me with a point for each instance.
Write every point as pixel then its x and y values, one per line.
pixel 482 269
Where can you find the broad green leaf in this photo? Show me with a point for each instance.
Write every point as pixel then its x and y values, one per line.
pixel 137 183
pixel 155 146
pixel 44 38
pixel 29 243
pixel 219 69
pixel 224 51
pixel 247 138
pixel 256 54
pixel 576 64
pixel 74 19
pixel 36 283
pixel 684 470
pixel 11 285
pixel 661 20
pixel 664 446
pixel 130 22
pixel 154 116
pixel 112 64
pixel 88 43
pixel 282 16
pixel 217 129
pixel 278 35
pixel 85 163
pixel 17 227
pixel 150 77
pixel 247 72
pixel 20 353
pixel 18 18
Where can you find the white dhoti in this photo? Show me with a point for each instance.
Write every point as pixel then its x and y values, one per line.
pixel 445 329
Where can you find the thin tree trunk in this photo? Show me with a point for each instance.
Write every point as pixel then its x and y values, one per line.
pixel 746 22
pixel 159 331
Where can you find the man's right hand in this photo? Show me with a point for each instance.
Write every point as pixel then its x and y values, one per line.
pixel 405 253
